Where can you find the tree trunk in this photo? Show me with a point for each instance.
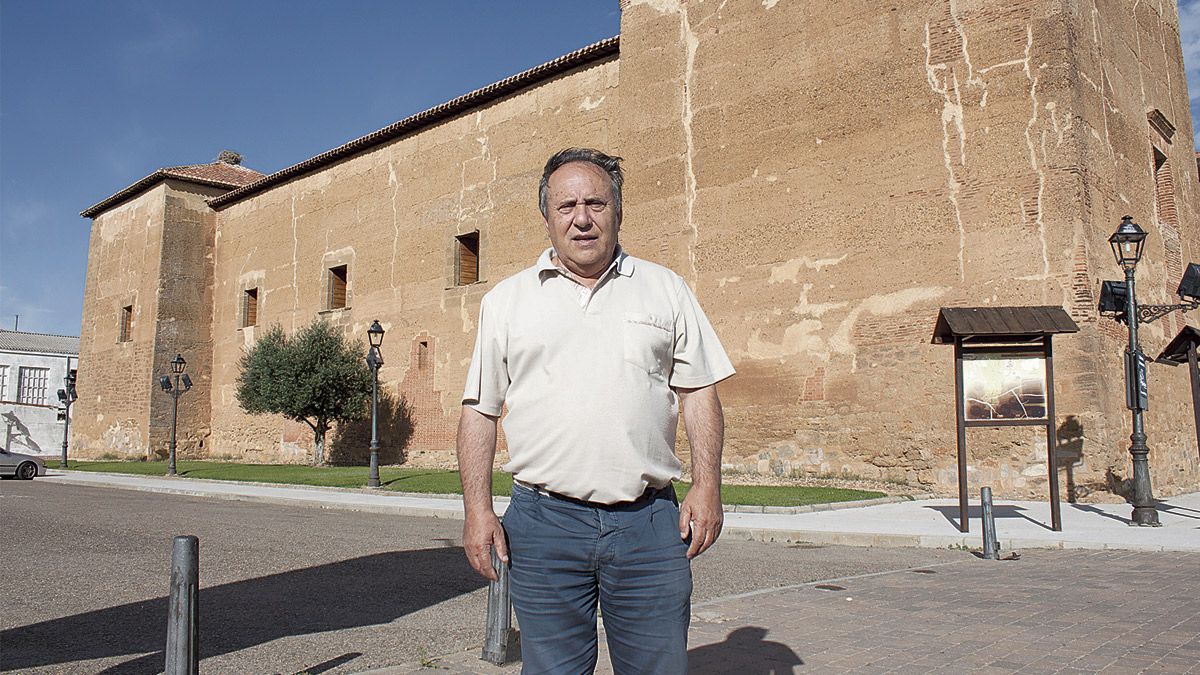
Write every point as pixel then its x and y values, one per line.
pixel 319 444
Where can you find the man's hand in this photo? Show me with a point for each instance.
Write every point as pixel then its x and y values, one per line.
pixel 480 533
pixel 702 516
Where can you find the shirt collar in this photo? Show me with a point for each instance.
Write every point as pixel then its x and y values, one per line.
pixel 621 262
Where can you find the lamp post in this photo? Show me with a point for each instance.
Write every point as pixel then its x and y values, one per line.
pixel 374 361
pixel 182 384
pixel 67 396
pixel 1127 245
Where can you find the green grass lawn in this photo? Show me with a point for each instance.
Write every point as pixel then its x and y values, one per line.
pixel 436 481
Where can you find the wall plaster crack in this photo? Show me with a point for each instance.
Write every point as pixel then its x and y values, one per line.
pixel 1033 161
pixel 951 113
pixel 692 43
pixel 395 183
pixel 295 262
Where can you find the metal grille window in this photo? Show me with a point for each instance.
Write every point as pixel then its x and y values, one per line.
pixel 467 258
pixel 337 287
pixel 125 332
pixel 250 308
pixel 32 385
pixel 3 382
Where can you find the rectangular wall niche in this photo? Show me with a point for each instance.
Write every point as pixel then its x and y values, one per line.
pixel 467 258
pixel 337 288
pixel 125 331
pixel 250 307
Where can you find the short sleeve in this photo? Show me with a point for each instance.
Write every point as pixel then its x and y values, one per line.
pixel 487 379
pixel 699 359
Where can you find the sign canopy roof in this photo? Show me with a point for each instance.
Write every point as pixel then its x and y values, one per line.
pixel 1003 323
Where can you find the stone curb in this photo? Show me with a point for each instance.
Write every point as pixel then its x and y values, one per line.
pixel 372 502
pixel 824 506
pixel 453 509
pixel 387 494
pixel 288 486
pixel 966 542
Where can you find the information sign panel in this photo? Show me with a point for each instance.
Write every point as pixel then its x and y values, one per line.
pixel 998 386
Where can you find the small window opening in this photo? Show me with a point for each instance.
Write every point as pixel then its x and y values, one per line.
pixel 250 308
pixel 467 258
pixel 422 355
pixel 125 332
pixel 337 287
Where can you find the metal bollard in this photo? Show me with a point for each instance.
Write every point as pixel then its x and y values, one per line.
pixel 991 547
pixel 183 619
pixel 497 646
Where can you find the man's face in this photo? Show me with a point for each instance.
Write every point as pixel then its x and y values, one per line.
pixel 582 218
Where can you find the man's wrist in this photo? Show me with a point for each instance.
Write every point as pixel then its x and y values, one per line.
pixel 476 508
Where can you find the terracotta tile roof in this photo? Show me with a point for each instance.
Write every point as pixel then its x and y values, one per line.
pixel 590 54
pixel 233 175
pixel 217 174
pixel 38 343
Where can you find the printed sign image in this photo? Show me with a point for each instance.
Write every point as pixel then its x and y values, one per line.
pixel 1004 387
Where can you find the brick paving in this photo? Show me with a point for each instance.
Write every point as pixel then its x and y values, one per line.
pixel 1049 612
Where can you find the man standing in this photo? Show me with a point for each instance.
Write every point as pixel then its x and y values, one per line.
pixel 594 352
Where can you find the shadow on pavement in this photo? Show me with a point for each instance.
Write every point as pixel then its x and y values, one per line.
pixel 745 652
pixel 1181 511
pixel 370 590
pixel 950 513
pixel 1088 508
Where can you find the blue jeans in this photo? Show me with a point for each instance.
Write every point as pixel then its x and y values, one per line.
pixel 566 556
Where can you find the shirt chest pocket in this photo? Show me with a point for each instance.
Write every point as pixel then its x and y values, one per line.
pixel 647 342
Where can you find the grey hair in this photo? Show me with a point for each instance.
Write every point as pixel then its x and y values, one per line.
pixel 610 164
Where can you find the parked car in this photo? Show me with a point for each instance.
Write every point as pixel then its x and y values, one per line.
pixel 24 467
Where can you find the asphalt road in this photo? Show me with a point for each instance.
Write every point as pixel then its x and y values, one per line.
pixel 84 575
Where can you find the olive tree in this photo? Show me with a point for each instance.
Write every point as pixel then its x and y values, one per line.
pixel 315 376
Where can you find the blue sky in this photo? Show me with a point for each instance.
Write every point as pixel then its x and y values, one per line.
pixel 95 95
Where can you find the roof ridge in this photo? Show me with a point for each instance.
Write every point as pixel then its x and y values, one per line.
pixel 212 163
pixel 417 121
pixel 25 332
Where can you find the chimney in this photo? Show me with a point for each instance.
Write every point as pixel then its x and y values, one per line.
pixel 229 157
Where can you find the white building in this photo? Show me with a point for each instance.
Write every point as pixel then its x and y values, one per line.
pixel 33 368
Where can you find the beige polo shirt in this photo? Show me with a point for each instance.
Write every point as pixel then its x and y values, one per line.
pixel 587 375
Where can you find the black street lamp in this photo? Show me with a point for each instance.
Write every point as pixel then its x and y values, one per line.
pixel 66 397
pixel 374 361
pixel 1120 301
pixel 182 384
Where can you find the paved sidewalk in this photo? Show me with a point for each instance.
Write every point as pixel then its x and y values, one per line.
pixel 1050 612
pixel 929 523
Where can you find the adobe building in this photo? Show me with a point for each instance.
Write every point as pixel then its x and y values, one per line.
pixel 826 176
